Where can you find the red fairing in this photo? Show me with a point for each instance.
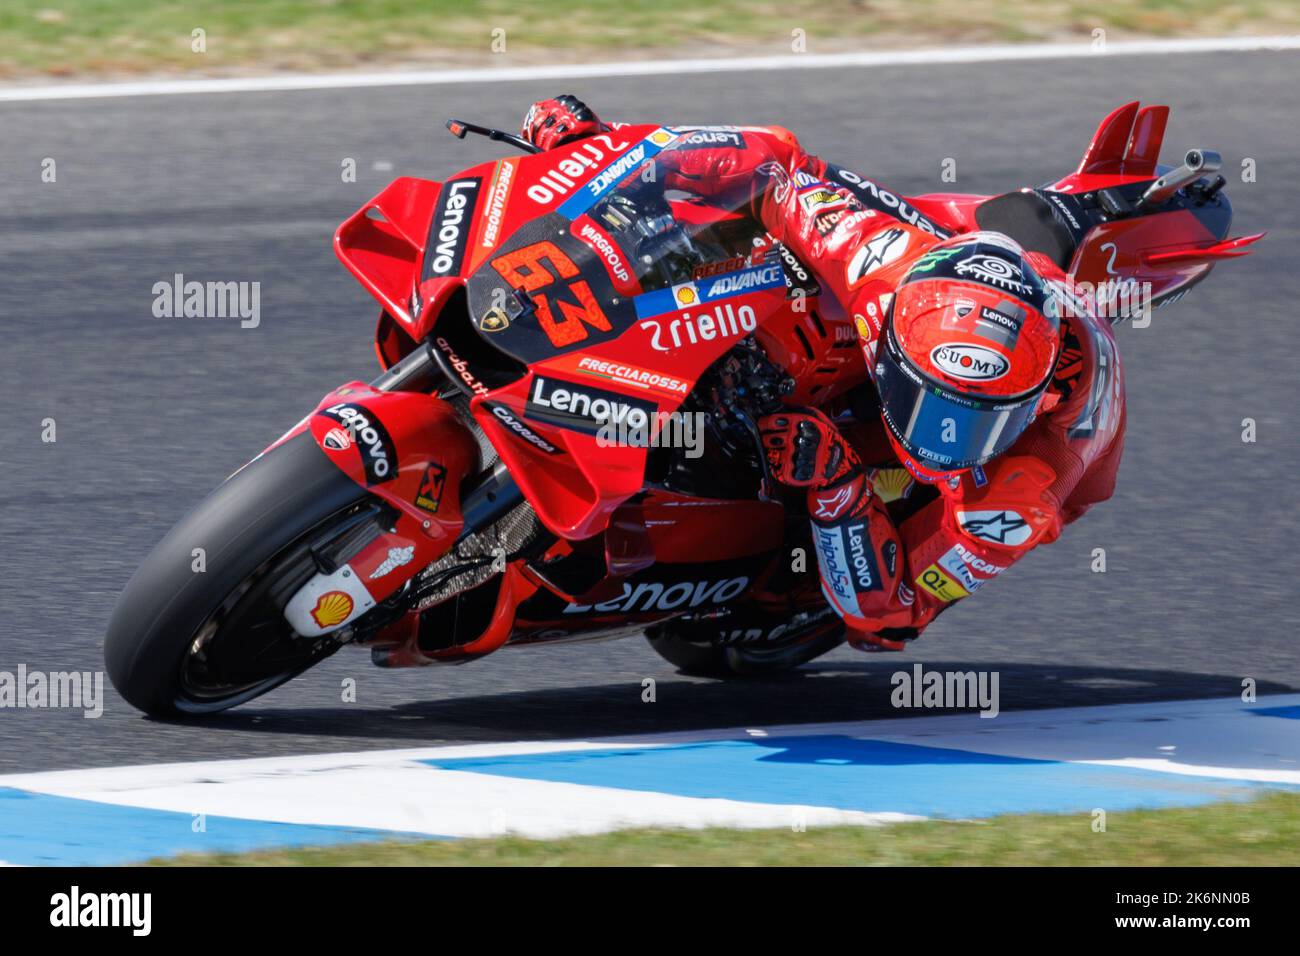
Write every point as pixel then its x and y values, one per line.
pixel 412 451
pixel 382 243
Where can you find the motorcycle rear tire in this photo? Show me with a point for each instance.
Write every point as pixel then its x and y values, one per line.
pixel 720 661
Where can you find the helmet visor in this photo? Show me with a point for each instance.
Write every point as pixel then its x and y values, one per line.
pixel 942 430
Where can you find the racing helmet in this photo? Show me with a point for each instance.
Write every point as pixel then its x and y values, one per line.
pixel 968 347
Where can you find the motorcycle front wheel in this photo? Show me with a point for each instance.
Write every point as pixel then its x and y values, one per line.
pixel 200 626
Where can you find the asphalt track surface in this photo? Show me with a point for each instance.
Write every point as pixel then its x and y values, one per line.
pixel 1200 538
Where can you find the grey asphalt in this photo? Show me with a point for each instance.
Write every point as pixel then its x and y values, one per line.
pixel 1200 539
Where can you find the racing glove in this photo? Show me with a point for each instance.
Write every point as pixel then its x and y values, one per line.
pixel 551 123
pixel 805 450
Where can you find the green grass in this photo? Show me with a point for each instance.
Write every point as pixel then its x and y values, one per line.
pixel 1264 832
pixel 120 37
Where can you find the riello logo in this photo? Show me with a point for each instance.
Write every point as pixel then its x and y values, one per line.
pixel 974 363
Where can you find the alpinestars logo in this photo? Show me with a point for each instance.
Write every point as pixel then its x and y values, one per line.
pixel 377 453
pixel 831 505
pixel 450 227
pixel 879 251
pixel 1001 527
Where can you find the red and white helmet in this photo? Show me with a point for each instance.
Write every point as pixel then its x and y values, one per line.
pixel 969 345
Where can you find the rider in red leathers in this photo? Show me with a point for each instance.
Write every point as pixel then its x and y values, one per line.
pixel 1012 412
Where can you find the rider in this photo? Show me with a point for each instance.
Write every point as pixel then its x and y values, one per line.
pixel 1007 415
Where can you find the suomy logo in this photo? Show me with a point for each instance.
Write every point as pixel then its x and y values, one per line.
pixel 973 363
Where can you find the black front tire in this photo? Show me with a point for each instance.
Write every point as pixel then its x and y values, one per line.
pixel 247 529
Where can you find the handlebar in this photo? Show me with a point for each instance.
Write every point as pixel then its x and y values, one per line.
pixel 459 128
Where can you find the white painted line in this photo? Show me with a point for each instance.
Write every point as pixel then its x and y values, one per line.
pixel 413 798
pixel 791 61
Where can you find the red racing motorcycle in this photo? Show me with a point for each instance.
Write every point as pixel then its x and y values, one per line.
pixel 562 443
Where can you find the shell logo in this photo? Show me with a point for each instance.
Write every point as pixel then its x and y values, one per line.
pixel 332 607
pixel 686 296
pixel 891 484
pixel 661 137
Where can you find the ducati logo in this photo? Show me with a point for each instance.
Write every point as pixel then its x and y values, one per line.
pixel 336 439
pixel 378 455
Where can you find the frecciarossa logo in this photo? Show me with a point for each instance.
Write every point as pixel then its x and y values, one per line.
pixel 449 231
pixel 581 408
pixel 378 455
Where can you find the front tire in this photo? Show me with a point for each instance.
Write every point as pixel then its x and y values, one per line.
pixel 181 641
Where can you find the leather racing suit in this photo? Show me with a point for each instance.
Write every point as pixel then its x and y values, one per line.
pixel 893 549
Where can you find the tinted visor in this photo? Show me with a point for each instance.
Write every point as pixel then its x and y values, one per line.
pixel 942 430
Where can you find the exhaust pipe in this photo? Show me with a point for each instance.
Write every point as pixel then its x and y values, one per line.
pixel 1196 164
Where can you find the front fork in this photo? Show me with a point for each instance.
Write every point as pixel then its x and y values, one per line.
pixel 485 496
pixel 411 451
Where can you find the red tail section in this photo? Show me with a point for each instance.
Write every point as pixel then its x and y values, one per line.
pixel 1127 143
